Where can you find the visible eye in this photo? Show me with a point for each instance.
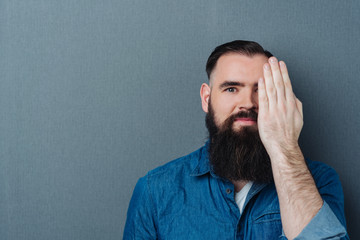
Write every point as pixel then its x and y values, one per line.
pixel 231 89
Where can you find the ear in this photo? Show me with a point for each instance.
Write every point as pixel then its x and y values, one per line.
pixel 205 96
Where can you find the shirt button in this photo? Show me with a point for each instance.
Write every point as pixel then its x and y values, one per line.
pixel 228 190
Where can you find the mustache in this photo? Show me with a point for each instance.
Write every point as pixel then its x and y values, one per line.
pixel 244 114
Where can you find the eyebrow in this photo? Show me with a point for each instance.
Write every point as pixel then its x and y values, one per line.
pixel 232 84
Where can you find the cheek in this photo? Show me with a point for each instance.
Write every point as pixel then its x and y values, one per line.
pixel 223 110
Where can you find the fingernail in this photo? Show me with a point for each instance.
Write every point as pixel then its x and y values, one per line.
pixel 266 66
pixel 273 59
pixel 261 81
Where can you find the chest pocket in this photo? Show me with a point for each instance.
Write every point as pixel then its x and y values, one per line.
pixel 192 226
pixel 266 225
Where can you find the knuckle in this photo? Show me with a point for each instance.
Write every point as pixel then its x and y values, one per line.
pixel 278 83
pixel 282 107
pixel 291 101
pixel 271 90
pixel 263 98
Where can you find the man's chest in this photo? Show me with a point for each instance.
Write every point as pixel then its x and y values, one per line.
pixel 213 214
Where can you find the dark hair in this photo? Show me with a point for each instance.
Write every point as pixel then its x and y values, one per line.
pixel 247 48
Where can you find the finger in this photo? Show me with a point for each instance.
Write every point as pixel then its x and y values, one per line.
pixel 287 83
pixel 263 99
pixel 269 85
pixel 299 106
pixel 278 79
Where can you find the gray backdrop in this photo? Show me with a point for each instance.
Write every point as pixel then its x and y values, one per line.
pixel 95 93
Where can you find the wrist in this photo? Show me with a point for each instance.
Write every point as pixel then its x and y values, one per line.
pixel 285 152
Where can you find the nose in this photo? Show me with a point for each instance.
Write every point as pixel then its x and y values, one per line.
pixel 248 100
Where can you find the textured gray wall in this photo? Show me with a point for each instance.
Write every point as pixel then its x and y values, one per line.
pixel 94 93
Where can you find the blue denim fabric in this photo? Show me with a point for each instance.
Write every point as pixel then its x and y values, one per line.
pixel 184 199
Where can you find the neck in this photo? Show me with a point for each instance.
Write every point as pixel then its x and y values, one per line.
pixel 238 185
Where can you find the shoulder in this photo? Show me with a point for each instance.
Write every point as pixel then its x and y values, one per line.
pixel 170 182
pixel 175 168
pixel 326 179
pixel 320 170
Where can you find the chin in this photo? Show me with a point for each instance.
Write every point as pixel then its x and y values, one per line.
pixel 238 129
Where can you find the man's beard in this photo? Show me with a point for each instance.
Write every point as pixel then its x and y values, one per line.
pixel 237 155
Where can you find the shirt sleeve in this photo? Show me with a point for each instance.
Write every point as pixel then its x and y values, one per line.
pixel 324 225
pixel 140 222
pixel 329 222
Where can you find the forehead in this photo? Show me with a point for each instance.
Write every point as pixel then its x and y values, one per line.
pixel 238 67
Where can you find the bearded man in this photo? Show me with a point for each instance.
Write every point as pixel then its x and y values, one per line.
pixel 250 180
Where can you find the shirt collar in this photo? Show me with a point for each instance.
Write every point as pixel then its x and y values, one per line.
pixel 203 166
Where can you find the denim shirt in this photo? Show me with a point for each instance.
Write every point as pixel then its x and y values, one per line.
pixel 184 199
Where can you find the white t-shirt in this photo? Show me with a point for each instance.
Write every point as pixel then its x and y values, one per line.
pixel 241 196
